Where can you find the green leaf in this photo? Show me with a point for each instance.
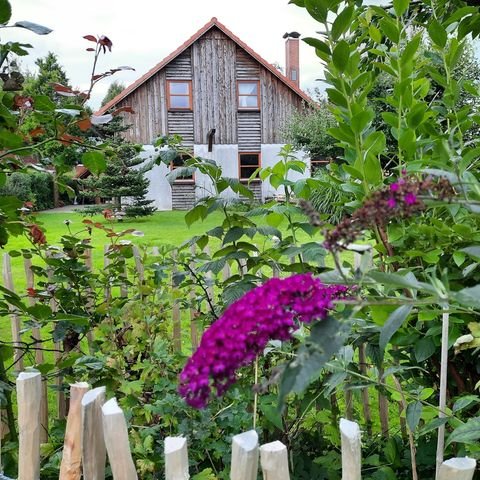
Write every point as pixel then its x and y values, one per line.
pixel 410 49
pixel 274 219
pixel 196 213
pixel 414 413
pixel 234 234
pixel 400 6
pixel 10 140
pixel 372 170
pixel 437 33
pixel 464 402
pixel 467 433
pixel 361 121
pixel 325 340
pixel 468 297
pixel 424 349
pixel 94 161
pixel 393 323
pixel 433 425
pixel 318 44
pixel 341 55
pixel 390 29
pixel 375 33
pixel 318 9
pixel 5 11
pixel 342 22
pixel 42 102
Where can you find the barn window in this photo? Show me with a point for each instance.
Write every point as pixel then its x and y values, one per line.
pixel 248 94
pixel 248 164
pixel 179 94
pixel 179 161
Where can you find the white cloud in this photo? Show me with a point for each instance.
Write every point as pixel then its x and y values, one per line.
pixel 145 31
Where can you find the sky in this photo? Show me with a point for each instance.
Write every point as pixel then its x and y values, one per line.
pixel 143 32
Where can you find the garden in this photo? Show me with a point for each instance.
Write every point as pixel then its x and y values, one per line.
pixel 353 302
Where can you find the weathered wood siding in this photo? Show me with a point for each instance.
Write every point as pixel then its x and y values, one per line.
pixel 150 105
pixel 181 122
pixel 183 196
pixel 214 63
pixel 278 102
pixel 214 88
pixel 249 131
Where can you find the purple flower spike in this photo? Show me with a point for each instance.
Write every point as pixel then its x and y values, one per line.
pixel 269 312
pixel 394 187
pixel 410 198
pixel 391 202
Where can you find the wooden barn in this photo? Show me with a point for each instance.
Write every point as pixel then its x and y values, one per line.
pixel 214 82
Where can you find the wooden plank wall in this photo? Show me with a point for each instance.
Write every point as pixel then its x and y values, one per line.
pixel 183 196
pixel 214 88
pixel 214 63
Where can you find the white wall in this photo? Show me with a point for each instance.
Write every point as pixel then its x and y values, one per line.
pixel 270 158
pixel 159 189
pixel 226 157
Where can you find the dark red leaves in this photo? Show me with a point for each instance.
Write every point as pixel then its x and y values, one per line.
pixel 127 109
pixel 38 237
pixel 84 124
pixel 91 38
pixel 105 42
pixel 90 49
pixel 23 103
pixel 67 139
pixel 36 132
pixel 31 292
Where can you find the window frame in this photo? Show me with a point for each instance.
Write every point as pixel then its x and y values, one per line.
pixel 189 95
pixel 246 179
pixel 172 167
pixel 257 107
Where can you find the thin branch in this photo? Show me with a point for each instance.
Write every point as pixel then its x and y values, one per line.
pixel 202 286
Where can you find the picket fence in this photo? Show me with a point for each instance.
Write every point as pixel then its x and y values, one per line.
pixel 97 428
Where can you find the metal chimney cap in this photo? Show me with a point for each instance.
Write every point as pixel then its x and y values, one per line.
pixel 291 35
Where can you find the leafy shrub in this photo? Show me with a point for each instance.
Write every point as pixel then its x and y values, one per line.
pixel 328 197
pixel 30 187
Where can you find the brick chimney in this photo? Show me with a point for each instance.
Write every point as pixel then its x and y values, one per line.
pixel 292 57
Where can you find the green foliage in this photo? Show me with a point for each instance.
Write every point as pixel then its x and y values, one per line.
pixel 36 188
pixel 113 90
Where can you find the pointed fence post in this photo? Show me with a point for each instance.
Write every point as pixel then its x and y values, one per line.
pixel 274 461
pixel 351 450
pixel 29 394
pixel 116 440
pixel 460 468
pixel 139 266
pixel 70 468
pixel 176 459
pixel 93 444
pixel 15 319
pixel 244 456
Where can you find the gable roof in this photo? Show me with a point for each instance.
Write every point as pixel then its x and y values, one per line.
pixel 212 23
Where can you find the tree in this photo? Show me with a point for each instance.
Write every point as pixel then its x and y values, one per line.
pixel 123 177
pixel 113 90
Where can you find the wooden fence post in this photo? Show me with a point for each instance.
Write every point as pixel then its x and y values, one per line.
pixel 176 315
pixel 70 468
pixel 460 468
pixel 139 266
pixel 29 394
pixel 383 406
pixel 176 459
pixel 116 440
pixel 91 301
pixel 274 461
pixel 93 443
pixel 244 456
pixel 194 313
pixel 15 319
pixel 367 414
pixel 39 357
pixel 107 292
pixel 351 450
